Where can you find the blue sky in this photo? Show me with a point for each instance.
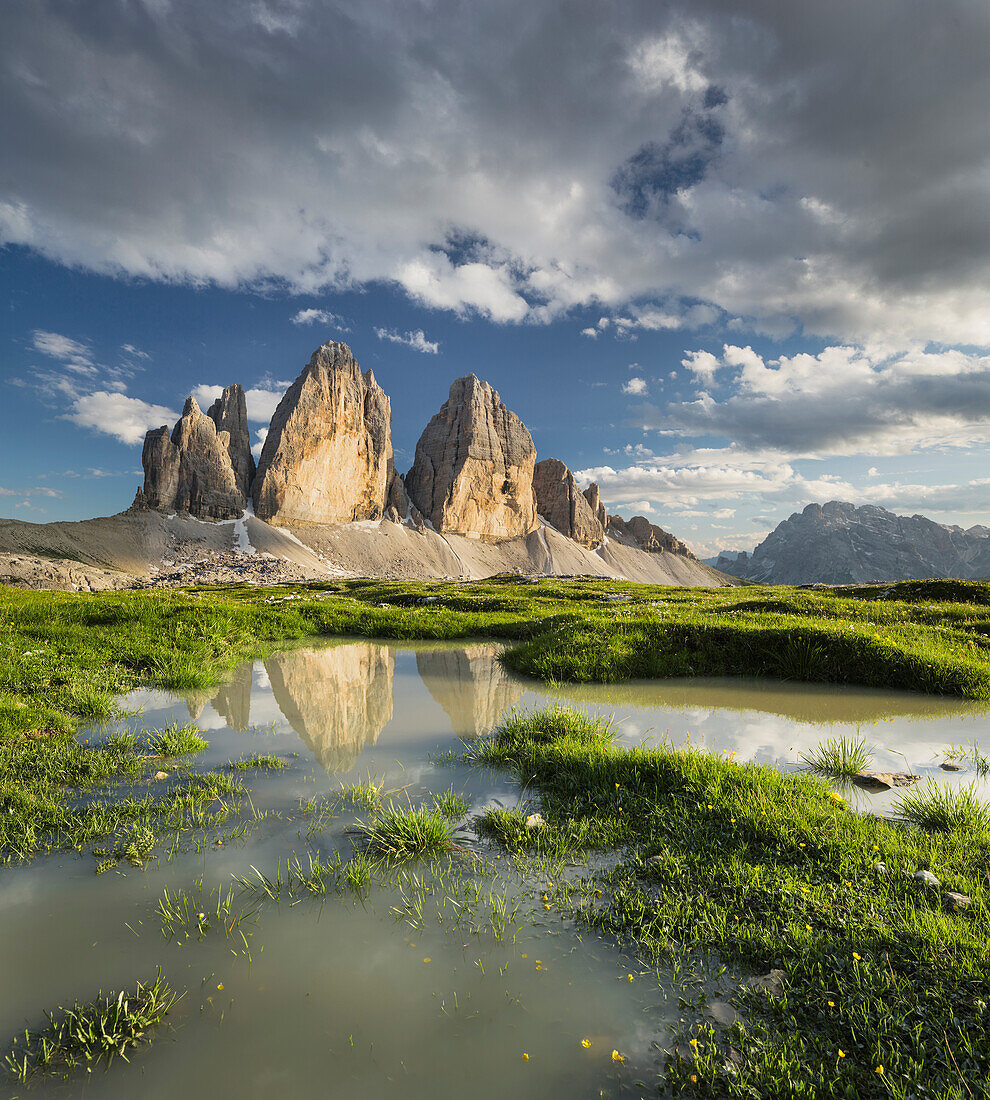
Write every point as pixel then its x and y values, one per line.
pixel 725 261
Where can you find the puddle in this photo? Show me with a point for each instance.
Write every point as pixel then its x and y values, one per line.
pixel 337 994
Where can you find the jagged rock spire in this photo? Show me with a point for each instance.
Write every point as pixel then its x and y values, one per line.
pixel 563 506
pixel 473 469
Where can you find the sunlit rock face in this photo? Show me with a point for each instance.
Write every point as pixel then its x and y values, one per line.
pixel 191 471
pixel 470 684
pixel 473 470
pixel 338 699
pixel 233 701
pixel 642 534
pixel 327 457
pixel 563 506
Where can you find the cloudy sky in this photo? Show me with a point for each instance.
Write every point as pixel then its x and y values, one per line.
pixel 725 257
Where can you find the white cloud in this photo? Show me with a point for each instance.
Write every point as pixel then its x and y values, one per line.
pixel 74 356
pixel 135 353
pixel 845 400
pixel 635 386
pixel 125 418
pixel 261 434
pixel 415 340
pixel 319 317
pixel 590 332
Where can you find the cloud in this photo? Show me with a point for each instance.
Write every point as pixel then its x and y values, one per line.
pixel 635 386
pixel 125 418
pixel 843 401
pixel 74 356
pixel 686 161
pixel 135 353
pixel 319 317
pixel 415 340
pixel 261 434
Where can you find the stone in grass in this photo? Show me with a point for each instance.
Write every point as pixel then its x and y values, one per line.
pixel 883 781
pixel 947 767
pixel 535 821
pixel 954 901
pixel 881 869
pixel 771 984
pixel 926 878
pixel 162 775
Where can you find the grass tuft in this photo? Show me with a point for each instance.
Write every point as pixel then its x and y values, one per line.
pixel 83 1035
pixel 395 833
pixel 176 740
pixel 452 806
pixel 839 757
pixel 938 806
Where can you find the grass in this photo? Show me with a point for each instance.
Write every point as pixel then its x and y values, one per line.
pixel 176 740
pixel 262 761
pixel 396 833
pixel 726 867
pixel 936 805
pixel 84 1035
pixel 839 757
pixel 450 805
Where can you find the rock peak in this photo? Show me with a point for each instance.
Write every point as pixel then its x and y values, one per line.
pixel 563 506
pixel 327 457
pixel 473 470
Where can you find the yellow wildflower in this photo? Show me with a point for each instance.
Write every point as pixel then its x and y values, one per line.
pixel 841 1053
pixel 617 1057
pixel 525 1057
pixel 586 1043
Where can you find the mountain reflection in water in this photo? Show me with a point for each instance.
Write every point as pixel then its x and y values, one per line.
pixel 470 684
pixel 337 699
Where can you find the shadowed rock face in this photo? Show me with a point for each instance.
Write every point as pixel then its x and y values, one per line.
pixel 191 472
pixel 470 684
pixel 592 496
pixel 473 470
pixel 639 532
pixel 229 413
pixel 838 543
pixel 560 503
pixel 328 454
pixel 338 700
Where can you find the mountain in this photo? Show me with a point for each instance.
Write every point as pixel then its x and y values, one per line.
pixel 838 543
pixel 328 501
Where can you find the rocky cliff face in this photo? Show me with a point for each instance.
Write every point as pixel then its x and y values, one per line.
pixel 229 413
pixel 593 497
pixel 328 454
pixel 563 506
pixel 642 534
pixel 838 543
pixel 473 470
pixel 191 471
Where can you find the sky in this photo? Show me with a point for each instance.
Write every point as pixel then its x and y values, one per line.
pixel 724 257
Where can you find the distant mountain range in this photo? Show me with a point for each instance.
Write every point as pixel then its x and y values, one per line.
pixel 838 543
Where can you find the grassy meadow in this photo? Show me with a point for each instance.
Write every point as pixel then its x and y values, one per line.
pixel 729 870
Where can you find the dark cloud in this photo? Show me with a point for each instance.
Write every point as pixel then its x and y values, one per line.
pixel 802 163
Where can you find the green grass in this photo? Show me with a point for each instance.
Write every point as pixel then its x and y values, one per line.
pixel 84 1035
pixel 727 870
pixel 936 805
pixel 262 761
pixel 839 757
pixel 451 805
pixel 176 740
pixel 396 833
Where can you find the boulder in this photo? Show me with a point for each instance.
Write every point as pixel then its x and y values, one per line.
pixel 639 532
pixel 328 454
pixel 562 505
pixel 229 413
pixel 473 470
pixel 191 472
pixel 593 497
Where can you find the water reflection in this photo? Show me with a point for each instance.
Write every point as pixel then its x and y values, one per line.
pixel 470 684
pixel 337 699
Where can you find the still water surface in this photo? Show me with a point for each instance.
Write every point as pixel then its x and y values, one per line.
pixel 342 998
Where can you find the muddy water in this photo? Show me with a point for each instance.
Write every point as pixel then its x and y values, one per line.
pixel 342 996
